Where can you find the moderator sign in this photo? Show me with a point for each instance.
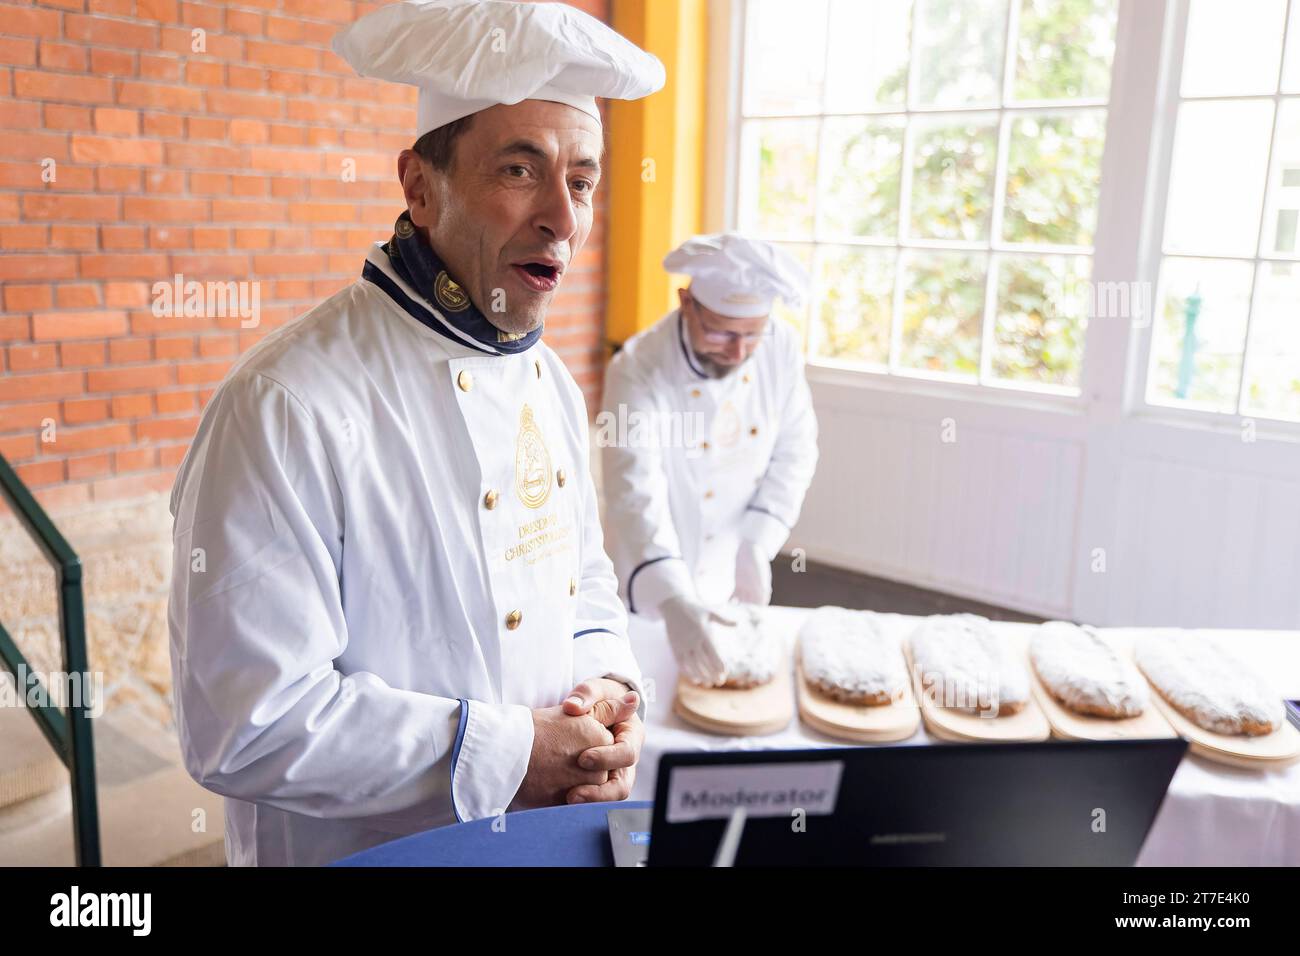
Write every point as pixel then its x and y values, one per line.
pixel 764 790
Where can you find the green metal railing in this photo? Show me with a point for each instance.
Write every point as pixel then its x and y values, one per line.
pixel 70 736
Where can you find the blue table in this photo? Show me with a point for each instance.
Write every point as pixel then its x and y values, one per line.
pixel 552 836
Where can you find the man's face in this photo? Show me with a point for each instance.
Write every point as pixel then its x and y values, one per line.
pixel 515 206
pixel 722 344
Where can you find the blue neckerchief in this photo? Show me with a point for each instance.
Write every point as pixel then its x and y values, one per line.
pixel 414 260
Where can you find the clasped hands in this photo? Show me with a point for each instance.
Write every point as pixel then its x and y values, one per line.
pixel 585 750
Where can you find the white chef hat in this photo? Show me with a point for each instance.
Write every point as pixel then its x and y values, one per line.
pixel 468 55
pixel 738 277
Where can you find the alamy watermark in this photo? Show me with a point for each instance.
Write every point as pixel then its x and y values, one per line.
pixel 978 692
pixel 192 299
pixel 32 688
pixel 637 428
pixel 1131 301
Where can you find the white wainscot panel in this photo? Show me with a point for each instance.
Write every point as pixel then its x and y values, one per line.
pixel 989 515
pixel 1198 546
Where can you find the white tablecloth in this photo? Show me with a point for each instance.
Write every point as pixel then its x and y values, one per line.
pixel 1213 815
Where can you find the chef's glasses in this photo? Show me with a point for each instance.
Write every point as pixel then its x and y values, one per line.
pixel 716 336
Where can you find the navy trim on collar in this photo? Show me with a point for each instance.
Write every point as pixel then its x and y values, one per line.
pixel 414 260
pixel 372 273
pixel 686 352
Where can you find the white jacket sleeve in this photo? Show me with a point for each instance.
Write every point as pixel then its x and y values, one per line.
pixel 257 626
pixel 774 508
pixel 600 644
pixel 644 543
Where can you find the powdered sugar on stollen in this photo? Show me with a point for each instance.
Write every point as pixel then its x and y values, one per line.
pixel 1085 673
pixel 960 663
pixel 749 655
pixel 848 655
pixel 1208 685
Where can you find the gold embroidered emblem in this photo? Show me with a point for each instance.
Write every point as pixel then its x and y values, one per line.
pixel 532 462
pixel 449 295
pixel 405 229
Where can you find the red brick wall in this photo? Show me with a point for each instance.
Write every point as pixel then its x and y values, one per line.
pixel 221 165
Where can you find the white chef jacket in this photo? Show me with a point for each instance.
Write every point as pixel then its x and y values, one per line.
pixel 715 461
pixel 387 550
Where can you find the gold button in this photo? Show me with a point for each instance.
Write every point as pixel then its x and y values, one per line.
pixel 559 477
pixel 708 494
pixel 490 499
pixel 573 587
pixel 753 430
pixel 513 619
pixel 745 378
pixel 695 393
pixel 465 380
pixel 537 364
pixel 704 445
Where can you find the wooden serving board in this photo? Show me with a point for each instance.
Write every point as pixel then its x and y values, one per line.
pixel 765 709
pixel 1028 726
pixel 1277 749
pixel 1068 725
pixel 857 722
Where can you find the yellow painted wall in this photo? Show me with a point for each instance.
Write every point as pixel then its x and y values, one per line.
pixel 655 166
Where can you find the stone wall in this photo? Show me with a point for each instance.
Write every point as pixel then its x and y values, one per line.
pixel 125 550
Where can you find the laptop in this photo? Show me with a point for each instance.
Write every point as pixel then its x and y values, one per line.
pixel 1057 803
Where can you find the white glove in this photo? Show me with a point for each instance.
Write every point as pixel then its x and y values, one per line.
pixel 690 633
pixel 753 575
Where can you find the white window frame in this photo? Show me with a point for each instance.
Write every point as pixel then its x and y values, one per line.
pixel 1003 112
pixel 1127 241
pixel 1153 254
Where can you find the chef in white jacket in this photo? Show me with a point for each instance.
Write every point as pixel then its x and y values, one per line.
pixel 706 474
pixel 391 606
